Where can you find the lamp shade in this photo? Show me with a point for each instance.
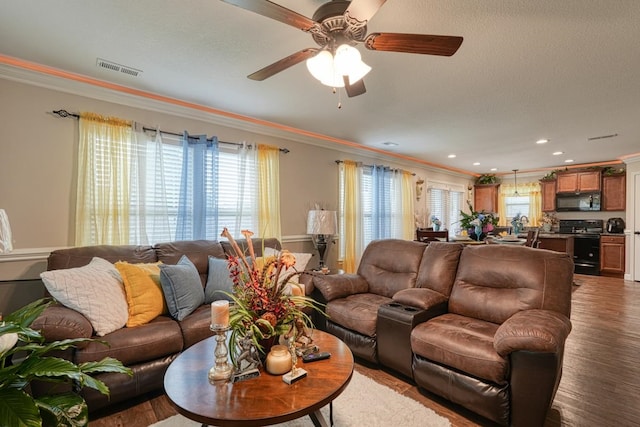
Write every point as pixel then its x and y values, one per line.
pixel 6 241
pixel 322 222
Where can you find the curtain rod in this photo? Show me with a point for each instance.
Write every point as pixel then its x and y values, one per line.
pixel 65 114
pixel 370 166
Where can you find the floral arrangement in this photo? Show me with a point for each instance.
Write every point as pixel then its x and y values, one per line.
pixel 435 220
pixel 549 218
pixel 483 219
pixel 264 304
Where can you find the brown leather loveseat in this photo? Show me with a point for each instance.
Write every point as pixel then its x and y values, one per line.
pixel 482 326
pixel 147 349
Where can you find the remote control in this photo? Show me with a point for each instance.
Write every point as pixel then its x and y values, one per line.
pixel 312 357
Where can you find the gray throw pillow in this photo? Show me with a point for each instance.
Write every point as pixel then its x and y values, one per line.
pixel 182 288
pixel 218 281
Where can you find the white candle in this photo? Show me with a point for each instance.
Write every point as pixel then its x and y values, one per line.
pixel 220 313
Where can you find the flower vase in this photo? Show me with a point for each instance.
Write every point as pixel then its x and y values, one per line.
pixel 436 227
pixel 546 227
pixel 478 232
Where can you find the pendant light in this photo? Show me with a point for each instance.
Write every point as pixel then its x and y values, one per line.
pixel 515 182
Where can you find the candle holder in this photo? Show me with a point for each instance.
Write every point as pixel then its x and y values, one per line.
pixel 222 369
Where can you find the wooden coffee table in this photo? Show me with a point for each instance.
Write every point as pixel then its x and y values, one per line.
pixel 260 401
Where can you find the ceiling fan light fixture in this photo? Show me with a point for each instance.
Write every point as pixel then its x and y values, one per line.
pixel 329 69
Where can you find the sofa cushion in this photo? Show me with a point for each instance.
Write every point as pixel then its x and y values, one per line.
pixel 182 288
pixel 391 265
pixel 462 343
pixel 160 337
pixel 195 327
pixel 439 266
pixel 357 312
pixel 143 291
pixel 496 281
pixel 218 281
pixel 94 290
pixel 198 251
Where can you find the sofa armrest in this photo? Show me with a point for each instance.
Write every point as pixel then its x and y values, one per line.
pixel 420 298
pixel 336 286
pixel 535 330
pixel 59 323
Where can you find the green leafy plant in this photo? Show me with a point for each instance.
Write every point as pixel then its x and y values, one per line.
pixel 486 220
pixel 487 179
pixel 551 175
pixel 17 406
pixel 608 171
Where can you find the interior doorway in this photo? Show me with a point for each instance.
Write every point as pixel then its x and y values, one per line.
pixel 635 229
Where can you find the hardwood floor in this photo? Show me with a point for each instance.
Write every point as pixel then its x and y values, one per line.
pixel 600 383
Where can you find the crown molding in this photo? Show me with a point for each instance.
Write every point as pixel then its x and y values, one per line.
pixel 21 71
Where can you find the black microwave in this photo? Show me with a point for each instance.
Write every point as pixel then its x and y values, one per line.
pixel 572 202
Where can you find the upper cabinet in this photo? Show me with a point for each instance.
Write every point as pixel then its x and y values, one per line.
pixel 485 197
pixel 614 196
pixel 578 182
pixel 548 190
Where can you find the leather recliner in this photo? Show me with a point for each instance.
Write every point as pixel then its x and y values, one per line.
pixel 482 326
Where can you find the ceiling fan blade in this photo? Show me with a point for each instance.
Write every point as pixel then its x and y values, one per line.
pixel 355 89
pixel 413 43
pixel 275 11
pixel 360 12
pixel 283 64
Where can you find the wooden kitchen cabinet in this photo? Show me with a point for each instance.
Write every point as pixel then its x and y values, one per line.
pixel 578 182
pixel 485 197
pixel 558 243
pixel 614 195
pixel 548 190
pixel 612 254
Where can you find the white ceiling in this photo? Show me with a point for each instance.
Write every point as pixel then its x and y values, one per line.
pixel 564 70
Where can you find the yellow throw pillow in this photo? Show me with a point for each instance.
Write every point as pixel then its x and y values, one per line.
pixel 143 291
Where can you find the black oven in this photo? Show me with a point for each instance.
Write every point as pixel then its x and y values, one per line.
pixel 586 247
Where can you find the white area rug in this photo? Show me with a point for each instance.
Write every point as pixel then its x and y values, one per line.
pixel 363 403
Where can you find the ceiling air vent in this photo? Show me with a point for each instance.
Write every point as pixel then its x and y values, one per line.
pixel 109 65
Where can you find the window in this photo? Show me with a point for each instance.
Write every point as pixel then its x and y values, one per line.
pixel 517 205
pixel 130 186
pixel 446 204
pixel 373 209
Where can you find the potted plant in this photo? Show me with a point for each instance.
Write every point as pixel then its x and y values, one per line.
pixel 487 179
pixel 33 362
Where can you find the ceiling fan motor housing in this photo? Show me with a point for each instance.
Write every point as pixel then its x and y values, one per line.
pixel 334 27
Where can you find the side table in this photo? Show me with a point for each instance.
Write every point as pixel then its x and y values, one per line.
pixel 395 323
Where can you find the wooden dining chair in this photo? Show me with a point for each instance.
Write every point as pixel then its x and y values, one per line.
pixel 532 238
pixel 424 235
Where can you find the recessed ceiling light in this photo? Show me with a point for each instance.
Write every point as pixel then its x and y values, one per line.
pixel 569 161
pixel 476 164
pixel 390 144
pixel 494 169
pixel 451 156
pixel 542 141
pixel 557 153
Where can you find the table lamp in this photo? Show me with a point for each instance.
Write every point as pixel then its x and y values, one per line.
pixel 322 225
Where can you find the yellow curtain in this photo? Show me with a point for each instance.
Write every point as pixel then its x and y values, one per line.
pixel 408 224
pixel 269 191
pixel 530 189
pixel 351 217
pixel 102 206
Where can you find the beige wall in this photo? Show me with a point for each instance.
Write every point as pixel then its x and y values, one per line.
pixel 38 164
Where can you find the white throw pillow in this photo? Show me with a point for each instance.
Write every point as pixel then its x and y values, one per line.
pixel 302 260
pixel 95 290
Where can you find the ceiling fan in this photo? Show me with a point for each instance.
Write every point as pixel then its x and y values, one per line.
pixel 336 27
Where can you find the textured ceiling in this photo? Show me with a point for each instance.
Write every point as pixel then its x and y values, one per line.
pixel 562 70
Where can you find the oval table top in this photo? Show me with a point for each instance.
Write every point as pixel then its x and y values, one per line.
pixel 259 401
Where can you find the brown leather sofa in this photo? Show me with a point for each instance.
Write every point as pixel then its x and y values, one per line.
pixel 147 349
pixel 483 326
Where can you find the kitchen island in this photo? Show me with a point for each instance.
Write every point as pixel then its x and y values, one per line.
pixel 558 242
